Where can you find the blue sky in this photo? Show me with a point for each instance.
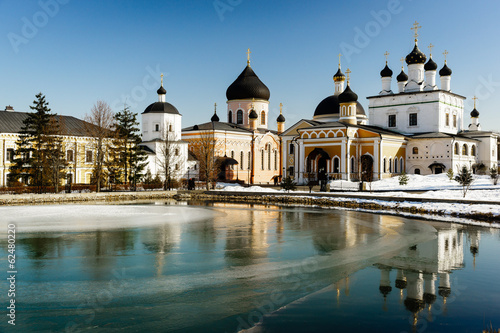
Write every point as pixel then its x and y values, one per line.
pixel 78 52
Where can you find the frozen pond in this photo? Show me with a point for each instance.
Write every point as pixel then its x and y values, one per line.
pixel 155 267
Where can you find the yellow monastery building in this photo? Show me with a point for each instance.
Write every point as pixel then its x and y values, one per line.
pixel 78 146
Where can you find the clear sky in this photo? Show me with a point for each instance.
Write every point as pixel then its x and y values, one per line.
pixel 77 52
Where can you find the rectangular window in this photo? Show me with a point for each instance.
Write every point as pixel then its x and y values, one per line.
pixel 249 160
pixel 69 156
pixel 292 148
pixel 413 119
pixel 447 120
pixel 262 160
pixel 88 156
pixel 454 120
pixel 392 120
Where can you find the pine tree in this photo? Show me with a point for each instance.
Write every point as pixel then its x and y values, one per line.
pixel 31 147
pixel 288 184
pixel 130 157
pixel 465 179
pixel 55 161
pixel 450 173
pixel 403 178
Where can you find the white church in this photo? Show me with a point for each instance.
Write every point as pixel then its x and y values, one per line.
pixel 440 133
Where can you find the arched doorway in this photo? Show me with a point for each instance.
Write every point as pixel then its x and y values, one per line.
pixel 321 158
pixel 366 168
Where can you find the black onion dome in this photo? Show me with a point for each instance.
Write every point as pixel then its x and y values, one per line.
pixel 445 71
pixel 416 56
pixel 331 106
pixel 430 65
pixel 253 114
pixel 474 114
pixel 401 284
pixel 339 76
pixel 161 91
pixel 215 117
pixel 248 86
pixel 348 96
pixel 444 291
pixel 161 107
pixel 280 119
pixel 386 72
pixel 402 77
pixel 385 290
pixel 429 298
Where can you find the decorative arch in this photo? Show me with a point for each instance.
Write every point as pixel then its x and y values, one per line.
pixel 322 134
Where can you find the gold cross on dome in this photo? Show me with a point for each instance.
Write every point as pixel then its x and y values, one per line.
pixel 162 79
pixel 445 53
pixel 386 55
pixel 248 56
pixel 415 28
pixel 215 107
pixel 402 62
pixel 340 55
pixel 348 72
pixel 474 99
pixel 281 108
pixel 430 49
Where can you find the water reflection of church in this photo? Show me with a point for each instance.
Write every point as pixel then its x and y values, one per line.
pixel 420 267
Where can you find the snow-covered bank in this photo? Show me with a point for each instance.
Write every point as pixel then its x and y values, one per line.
pixel 434 187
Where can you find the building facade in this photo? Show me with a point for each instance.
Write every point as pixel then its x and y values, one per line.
pixel 419 129
pixel 248 151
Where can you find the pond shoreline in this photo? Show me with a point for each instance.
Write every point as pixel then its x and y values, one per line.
pixel 324 200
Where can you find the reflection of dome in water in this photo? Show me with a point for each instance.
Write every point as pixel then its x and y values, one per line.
pixel 429 298
pixel 414 305
pixel 401 284
pixel 444 291
pixel 474 250
pixel 385 290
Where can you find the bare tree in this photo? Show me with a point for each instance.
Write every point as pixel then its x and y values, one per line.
pixel 206 151
pixel 169 157
pixel 100 128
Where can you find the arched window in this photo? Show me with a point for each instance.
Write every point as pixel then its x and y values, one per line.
pixel 473 150
pixel 230 117
pixel 262 159
pixel 415 150
pixel 241 160
pixel 456 148
pixel 249 160
pixel 263 118
pixel 390 165
pixel 402 168
pixel 353 166
pixel 269 157
pixel 275 160
pixel 447 120
pixel 465 150
pixel 395 165
pixel 232 156
pixel 336 165
pixel 239 117
pixel 417 171
pixel 385 166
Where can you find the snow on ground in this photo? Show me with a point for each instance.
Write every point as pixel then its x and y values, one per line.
pixel 432 186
